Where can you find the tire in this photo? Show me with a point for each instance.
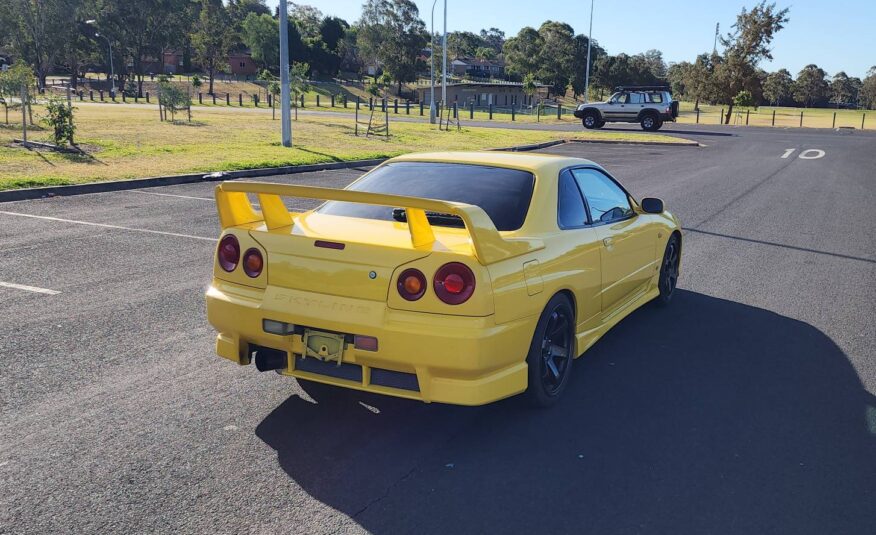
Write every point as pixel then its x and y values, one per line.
pixel 590 120
pixel 650 122
pixel 601 124
pixel 659 125
pixel 551 353
pixel 669 270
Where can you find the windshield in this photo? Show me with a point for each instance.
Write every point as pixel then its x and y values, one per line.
pixel 504 194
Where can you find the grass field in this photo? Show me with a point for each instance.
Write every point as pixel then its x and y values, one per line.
pixel 130 142
pixel 784 117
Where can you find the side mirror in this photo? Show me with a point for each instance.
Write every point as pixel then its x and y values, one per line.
pixel 652 205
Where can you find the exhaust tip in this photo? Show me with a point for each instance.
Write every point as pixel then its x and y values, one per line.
pixel 267 359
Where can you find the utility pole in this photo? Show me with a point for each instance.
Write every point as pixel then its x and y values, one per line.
pixel 432 67
pixel 587 71
pixel 717 32
pixel 285 100
pixel 444 50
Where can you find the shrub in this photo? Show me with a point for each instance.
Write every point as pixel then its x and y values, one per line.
pixel 60 118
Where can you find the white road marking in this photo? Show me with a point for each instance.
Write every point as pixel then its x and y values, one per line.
pixel 171 195
pixel 103 225
pixel 29 288
pixel 811 154
pixel 788 152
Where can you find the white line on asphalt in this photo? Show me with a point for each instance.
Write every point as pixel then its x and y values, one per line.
pixel 29 288
pixel 117 227
pixel 171 195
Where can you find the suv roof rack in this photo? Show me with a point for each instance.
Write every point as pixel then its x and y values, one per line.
pixel 642 88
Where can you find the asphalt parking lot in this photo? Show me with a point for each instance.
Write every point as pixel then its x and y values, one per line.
pixel 747 406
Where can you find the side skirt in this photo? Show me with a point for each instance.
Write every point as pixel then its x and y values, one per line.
pixel 588 338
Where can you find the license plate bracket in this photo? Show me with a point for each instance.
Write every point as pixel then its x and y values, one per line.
pixel 327 347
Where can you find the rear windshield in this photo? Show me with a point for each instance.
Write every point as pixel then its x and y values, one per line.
pixel 504 194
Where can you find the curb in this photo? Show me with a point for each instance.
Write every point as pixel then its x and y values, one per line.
pixel 685 143
pixel 119 185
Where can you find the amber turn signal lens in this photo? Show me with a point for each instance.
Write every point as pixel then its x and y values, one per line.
pixel 253 263
pixel 411 284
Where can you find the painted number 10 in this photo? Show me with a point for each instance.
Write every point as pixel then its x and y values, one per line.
pixel 808 154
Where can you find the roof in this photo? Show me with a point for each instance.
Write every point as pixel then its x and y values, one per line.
pixel 537 163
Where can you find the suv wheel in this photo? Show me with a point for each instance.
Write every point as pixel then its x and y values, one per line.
pixel 650 123
pixel 590 120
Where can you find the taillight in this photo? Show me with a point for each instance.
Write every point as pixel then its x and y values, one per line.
pixel 253 263
pixel 228 253
pixel 411 284
pixel 454 283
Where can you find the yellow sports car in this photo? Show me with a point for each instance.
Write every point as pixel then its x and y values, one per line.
pixel 450 277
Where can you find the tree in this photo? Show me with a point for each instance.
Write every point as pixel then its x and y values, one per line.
pixel 493 38
pixel 556 55
pixel 211 38
pixel 173 98
pixel 40 31
pixel 677 74
pixel 392 35
pixel 744 48
pixel 579 63
pixel 463 45
pixel 522 52
pixel 307 18
pixel 11 81
pixel 260 33
pixel 778 87
pixel 842 89
pixel 326 53
pixel 239 10
pixel 811 86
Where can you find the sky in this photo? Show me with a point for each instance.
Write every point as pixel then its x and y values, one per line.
pixel 836 35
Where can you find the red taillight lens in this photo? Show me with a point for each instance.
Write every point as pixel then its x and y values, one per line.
pixel 253 263
pixel 228 253
pixel 411 284
pixel 454 283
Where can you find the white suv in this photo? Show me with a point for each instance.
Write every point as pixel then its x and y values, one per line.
pixel 649 106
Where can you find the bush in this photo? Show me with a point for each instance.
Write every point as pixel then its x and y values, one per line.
pixel 173 98
pixel 60 119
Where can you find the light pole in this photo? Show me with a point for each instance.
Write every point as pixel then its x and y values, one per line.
pixel 587 72
pixel 444 68
pixel 432 67
pixel 109 45
pixel 285 111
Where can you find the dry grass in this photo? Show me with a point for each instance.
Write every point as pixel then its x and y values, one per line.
pixel 130 142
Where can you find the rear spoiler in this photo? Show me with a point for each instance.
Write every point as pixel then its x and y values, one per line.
pixel 487 244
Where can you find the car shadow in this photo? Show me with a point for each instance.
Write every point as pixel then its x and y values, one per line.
pixel 708 416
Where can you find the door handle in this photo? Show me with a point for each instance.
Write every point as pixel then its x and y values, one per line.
pixel 608 242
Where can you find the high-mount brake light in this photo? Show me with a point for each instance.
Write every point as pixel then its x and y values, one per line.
pixel 253 262
pixel 411 284
pixel 228 253
pixel 454 283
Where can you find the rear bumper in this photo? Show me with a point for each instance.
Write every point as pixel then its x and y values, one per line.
pixel 459 360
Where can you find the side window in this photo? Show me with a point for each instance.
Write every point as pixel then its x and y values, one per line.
pixel 607 201
pixel 570 206
pixel 636 98
pixel 657 98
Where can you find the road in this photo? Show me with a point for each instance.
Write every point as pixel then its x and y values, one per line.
pixel 747 406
